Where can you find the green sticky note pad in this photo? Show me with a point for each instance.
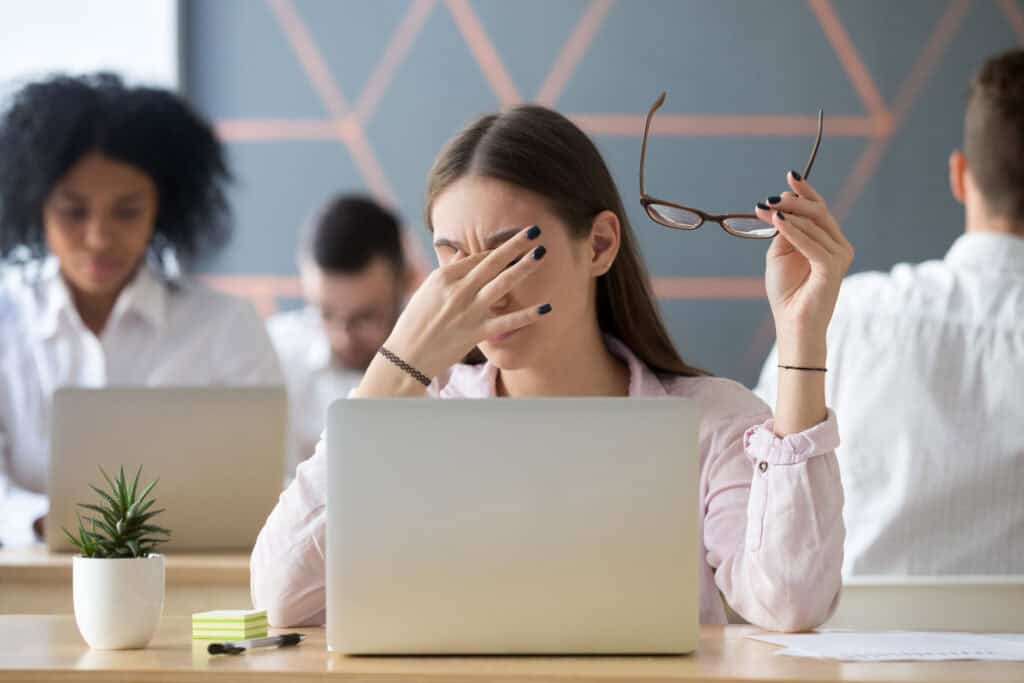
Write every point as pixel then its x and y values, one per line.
pixel 229 634
pixel 229 624
pixel 230 616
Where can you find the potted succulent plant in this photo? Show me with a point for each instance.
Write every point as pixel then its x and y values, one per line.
pixel 117 579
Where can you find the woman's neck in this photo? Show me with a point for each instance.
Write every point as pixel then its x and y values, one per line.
pixel 586 368
pixel 94 309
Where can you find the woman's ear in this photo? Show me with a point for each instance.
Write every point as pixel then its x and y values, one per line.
pixel 605 239
pixel 958 175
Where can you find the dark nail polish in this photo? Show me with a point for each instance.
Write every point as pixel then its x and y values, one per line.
pixel 533 233
pixel 781 215
pixel 796 176
pixel 763 206
pixel 774 199
pixel 539 252
pixel 545 309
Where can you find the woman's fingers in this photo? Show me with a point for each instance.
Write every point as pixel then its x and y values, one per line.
pixel 805 201
pixel 458 269
pixel 790 202
pixel 806 240
pixel 769 214
pixel 516 320
pixel 811 225
pixel 512 276
pixel 802 187
pixel 498 259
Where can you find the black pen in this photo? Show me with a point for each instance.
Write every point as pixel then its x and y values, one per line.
pixel 237 647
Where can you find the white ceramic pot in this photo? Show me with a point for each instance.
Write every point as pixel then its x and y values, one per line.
pixel 118 603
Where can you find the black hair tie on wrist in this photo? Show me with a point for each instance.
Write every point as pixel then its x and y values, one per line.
pixel 416 374
pixel 802 368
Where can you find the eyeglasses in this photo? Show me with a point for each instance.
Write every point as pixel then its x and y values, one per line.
pixel 682 217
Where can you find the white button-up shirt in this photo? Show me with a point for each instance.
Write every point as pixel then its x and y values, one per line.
pixel 158 334
pixel 314 380
pixel 926 370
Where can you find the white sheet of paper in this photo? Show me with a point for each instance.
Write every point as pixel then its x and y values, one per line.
pixel 895 646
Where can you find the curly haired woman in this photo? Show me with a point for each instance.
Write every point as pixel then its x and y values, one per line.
pixel 107 194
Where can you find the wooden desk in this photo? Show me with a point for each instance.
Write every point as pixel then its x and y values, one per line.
pixel 35 581
pixel 48 648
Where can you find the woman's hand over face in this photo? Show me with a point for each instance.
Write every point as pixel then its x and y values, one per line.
pixel 452 311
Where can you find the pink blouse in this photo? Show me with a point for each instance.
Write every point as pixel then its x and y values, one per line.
pixel 772 528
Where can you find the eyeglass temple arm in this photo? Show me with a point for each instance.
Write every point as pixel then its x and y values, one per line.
pixel 647 127
pixel 814 150
pixel 661 100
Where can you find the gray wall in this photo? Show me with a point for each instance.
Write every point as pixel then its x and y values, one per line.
pixel 744 78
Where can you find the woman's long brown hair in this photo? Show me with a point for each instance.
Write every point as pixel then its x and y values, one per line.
pixel 541 151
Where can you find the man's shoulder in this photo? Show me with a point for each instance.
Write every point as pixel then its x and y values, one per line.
pixel 905 284
pixel 901 276
pixel 288 325
pixel 292 333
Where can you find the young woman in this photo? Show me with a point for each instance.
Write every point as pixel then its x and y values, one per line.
pixel 105 192
pixel 540 271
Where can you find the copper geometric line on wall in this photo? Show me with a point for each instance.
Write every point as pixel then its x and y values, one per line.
pixel 346 123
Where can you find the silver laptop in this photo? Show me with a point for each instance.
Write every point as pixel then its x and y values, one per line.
pixel 218 452
pixel 530 526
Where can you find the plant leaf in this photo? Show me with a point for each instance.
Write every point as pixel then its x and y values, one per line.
pixel 142 519
pixel 107 549
pixel 106 496
pixel 119 526
pixel 107 515
pixel 148 515
pixel 122 490
pixel 74 541
pixel 106 476
pixel 135 484
pixel 88 545
pixel 109 530
pixel 117 501
pixel 143 506
pixel 145 491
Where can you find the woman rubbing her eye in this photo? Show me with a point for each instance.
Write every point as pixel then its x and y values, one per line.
pixel 574 316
